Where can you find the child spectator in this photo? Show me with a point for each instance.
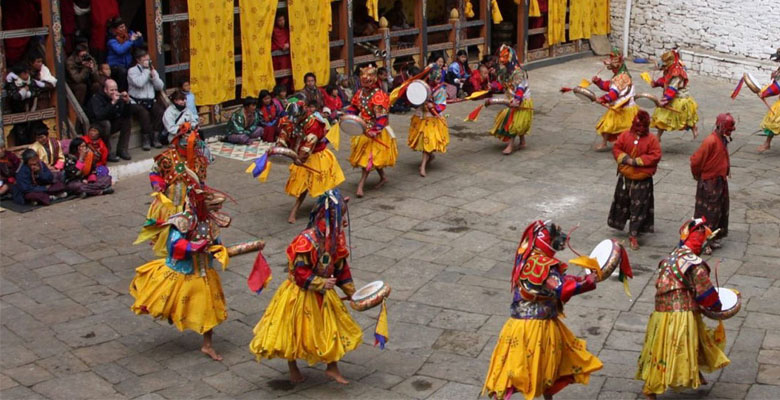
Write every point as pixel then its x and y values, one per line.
pixel 96 144
pixel 82 174
pixel 40 72
pixel 176 115
pixel 244 125
pixel 190 97
pixel 270 112
pixel 49 150
pixel 103 74
pixel 9 163
pixel 21 89
pixel 280 95
pixel 35 182
pixel 333 99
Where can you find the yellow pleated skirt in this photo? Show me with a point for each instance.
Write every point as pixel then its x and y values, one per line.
pixel 616 121
pixel 534 355
pixel 297 326
pixel 678 345
pixel 428 134
pixel 771 122
pixel 302 179
pixel 191 302
pixel 365 148
pixel 511 122
pixel 686 117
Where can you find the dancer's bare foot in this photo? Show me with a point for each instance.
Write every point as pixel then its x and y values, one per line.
pixel 522 143
pixel 422 171
pixel 295 374
pixel 695 131
pixel 333 372
pixel 359 192
pixel 509 149
pixel 600 147
pixel 764 147
pixel 381 183
pixel 209 351
pixel 650 396
pixel 291 219
pixel 659 134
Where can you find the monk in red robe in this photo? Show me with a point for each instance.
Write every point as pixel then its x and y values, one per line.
pixel 280 41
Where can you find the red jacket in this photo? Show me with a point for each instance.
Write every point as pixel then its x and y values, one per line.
pixel 711 160
pixel 100 147
pixel 647 153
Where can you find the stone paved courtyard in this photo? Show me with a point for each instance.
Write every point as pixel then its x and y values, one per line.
pixel 444 243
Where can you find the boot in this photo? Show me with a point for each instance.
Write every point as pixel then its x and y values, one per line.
pixel 156 141
pixel 147 143
pixel 113 158
pixel 123 154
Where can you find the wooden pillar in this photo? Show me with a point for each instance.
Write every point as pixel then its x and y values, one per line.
pixel 454 36
pixel 50 13
pixel 154 28
pixel 421 22
pixel 384 43
pixel 346 31
pixel 522 31
pixel 2 68
pixel 485 32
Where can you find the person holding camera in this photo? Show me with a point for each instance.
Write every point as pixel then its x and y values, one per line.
pixel 109 110
pixel 121 43
pixel 143 81
pixel 81 69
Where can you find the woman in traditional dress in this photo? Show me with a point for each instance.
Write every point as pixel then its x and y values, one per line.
pixel 536 354
pixel 306 319
pixel 515 120
pixel 619 97
pixel 428 132
pixel 678 110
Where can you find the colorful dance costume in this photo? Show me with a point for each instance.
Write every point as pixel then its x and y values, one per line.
pixel 678 344
pixel 619 97
pixel 304 133
pixel 428 130
pixel 513 121
pixel 771 122
pixel 183 287
pixel 377 147
pixel 304 320
pixel 681 112
pixel 536 353
pixel 172 174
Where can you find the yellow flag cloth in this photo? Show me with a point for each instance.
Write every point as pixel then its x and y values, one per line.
pixel 382 333
pixel 477 94
pixel 496 13
pixel 587 263
pixel 160 209
pixel 263 175
pixel 600 17
pixel 333 136
pixel 257 25
pixel 221 254
pixel 533 8
pixel 373 9
pixel 584 83
pixel 646 77
pixel 309 46
pixel 580 19
pixel 212 64
pixel 468 9
pixel 556 22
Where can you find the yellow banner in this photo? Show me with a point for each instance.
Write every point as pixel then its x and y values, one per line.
pixel 309 45
pixel 580 19
pixel 212 64
pixel 257 25
pixel 556 22
pixel 600 17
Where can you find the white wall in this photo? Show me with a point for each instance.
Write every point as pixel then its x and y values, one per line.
pixel 721 38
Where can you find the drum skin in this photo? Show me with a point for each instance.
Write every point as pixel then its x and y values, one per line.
pixel 418 92
pixel 724 314
pixel 352 125
pixel 643 98
pixel 751 83
pixel 371 300
pixel 613 260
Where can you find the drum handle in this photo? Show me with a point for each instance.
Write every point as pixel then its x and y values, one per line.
pixel 568 239
pixel 717 282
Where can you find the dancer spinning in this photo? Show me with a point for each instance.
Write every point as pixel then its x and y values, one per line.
pixel 376 148
pixel 678 345
pixel 183 287
pixel 678 110
pixel 536 353
pixel 316 169
pixel 428 131
pixel 306 319
pixel 515 120
pixel 771 122
pixel 619 97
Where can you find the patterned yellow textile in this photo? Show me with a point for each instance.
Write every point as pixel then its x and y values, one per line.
pixel 365 148
pixel 304 324
pixel 686 116
pixel 600 18
pixel 533 8
pixel 373 9
pixel 212 64
pixel 496 12
pixel 580 19
pixel 616 120
pixel 428 134
pixel 771 122
pixel 556 22
pixel 302 179
pixel 257 24
pixel 309 45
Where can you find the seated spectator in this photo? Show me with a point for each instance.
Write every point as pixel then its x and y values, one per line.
pixel 109 111
pixel 103 74
pixel 396 17
pixel 329 115
pixel 176 115
pixel 81 70
pixel 244 125
pixel 49 150
pixel 143 83
pixel 21 89
pixel 83 176
pixel 406 72
pixel 9 163
pixel 458 74
pixel 270 111
pixel 35 183
pixel 280 95
pixel 40 72
pixel 482 80
pixel 346 88
pixel 311 92
pixel 191 104
pixel 121 44
pixel 96 145
pixel 333 99
pixel 383 78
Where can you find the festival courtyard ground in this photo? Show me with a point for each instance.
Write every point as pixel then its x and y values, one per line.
pixel 444 244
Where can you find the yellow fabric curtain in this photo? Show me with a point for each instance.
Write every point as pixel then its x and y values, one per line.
pixel 496 12
pixel 556 22
pixel 533 8
pixel 309 46
pixel 580 19
pixel 212 65
pixel 373 9
pixel 257 25
pixel 601 24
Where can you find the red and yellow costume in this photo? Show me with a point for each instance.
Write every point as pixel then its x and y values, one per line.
pixel 377 147
pixel 619 97
pixel 771 122
pixel 428 131
pixel 307 138
pixel 514 120
pixel 684 110
pixel 304 320
pixel 536 353
pixel 678 344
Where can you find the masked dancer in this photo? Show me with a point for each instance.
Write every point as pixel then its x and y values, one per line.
pixel 428 132
pixel 515 120
pixel 771 122
pixel 678 110
pixel 619 97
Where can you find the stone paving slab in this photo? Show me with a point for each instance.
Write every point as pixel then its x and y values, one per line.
pixel 444 243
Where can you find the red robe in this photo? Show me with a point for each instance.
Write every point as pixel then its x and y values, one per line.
pixel 19 14
pixel 102 11
pixel 100 146
pixel 646 152
pixel 279 38
pixel 711 160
